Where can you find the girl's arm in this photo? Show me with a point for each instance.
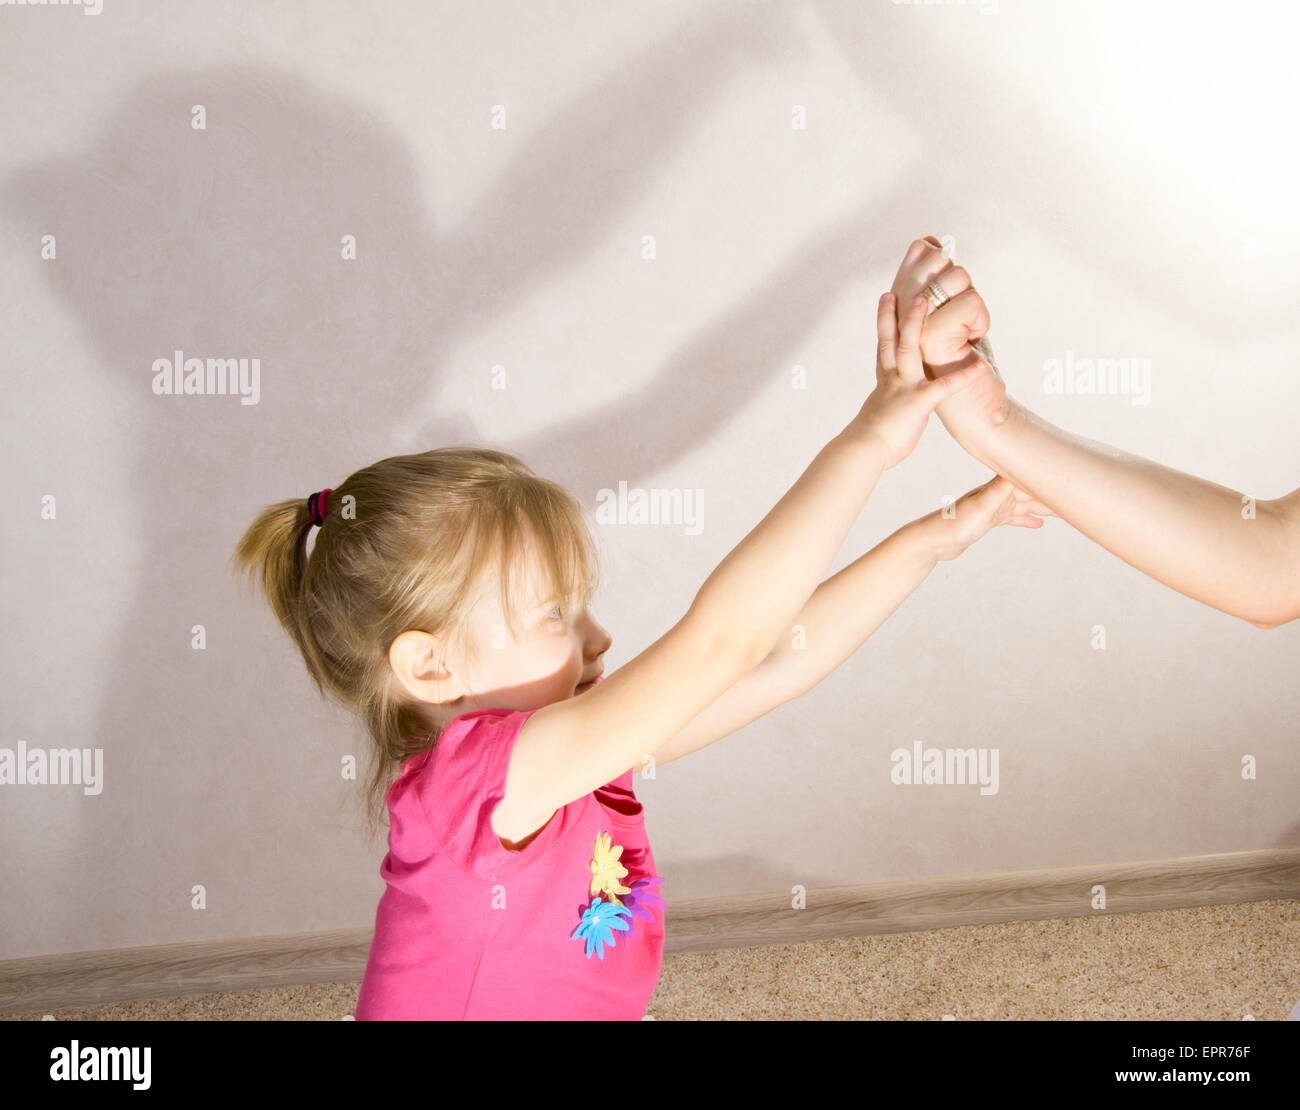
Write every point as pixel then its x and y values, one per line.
pixel 1202 539
pixel 758 588
pixel 847 608
pixel 571 747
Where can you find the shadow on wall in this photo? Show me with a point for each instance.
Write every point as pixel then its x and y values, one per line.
pixel 225 243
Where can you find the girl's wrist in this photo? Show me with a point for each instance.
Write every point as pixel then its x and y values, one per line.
pixel 924 539
pixel 863 433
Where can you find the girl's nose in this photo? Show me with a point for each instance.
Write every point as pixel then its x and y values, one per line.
pixel 600 640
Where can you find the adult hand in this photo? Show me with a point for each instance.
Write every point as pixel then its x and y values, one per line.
pixel 951 340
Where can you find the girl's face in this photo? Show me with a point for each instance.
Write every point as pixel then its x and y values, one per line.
pixel 557 653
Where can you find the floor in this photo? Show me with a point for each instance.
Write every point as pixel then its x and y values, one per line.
pixel 1228 962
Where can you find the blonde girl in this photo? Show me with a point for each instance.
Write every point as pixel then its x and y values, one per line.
pixel 446 601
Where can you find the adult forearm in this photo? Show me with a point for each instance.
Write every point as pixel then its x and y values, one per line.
pixel 1202 539
pixel 755 592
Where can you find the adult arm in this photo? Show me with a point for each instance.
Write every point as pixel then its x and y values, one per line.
pixel 1212 543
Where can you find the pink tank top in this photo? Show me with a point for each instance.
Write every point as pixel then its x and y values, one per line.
pixel 569 927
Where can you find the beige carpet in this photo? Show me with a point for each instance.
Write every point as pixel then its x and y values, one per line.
pixel 1211 963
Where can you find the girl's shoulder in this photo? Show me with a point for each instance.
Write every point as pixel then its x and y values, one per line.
pixel 475 737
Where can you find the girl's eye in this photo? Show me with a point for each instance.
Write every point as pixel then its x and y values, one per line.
pixel 556 614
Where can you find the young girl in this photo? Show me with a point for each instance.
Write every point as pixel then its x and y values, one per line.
pixel 445 601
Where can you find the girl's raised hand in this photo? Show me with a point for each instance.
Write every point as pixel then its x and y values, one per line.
pixel 979 512
pixel 898 408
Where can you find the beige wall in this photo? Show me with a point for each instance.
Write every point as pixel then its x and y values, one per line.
pixel 1113 192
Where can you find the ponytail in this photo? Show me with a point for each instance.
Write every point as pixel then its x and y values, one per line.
pixel 273 555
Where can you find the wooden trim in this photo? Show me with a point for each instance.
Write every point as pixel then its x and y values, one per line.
pixel 906 907
pixel 127 974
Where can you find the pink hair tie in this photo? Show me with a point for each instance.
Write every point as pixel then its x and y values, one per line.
pixel 317 504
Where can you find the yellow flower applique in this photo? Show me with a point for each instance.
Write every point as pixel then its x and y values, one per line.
pixel 606 870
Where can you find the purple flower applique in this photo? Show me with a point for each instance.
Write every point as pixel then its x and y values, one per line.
pixel 641 900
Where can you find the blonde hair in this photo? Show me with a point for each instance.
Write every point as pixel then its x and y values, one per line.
pixel 405 544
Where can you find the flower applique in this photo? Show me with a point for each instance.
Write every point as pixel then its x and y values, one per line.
pixel 639 900
pixel 603 919
pixel 606 870
pixel 598 922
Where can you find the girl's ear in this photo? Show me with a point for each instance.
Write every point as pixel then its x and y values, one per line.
pixel 416 658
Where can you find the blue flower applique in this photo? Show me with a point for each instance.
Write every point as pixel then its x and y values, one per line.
pixel 601 918
pixel 598 922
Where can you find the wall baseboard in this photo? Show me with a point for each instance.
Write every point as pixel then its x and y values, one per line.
pixel 166 971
